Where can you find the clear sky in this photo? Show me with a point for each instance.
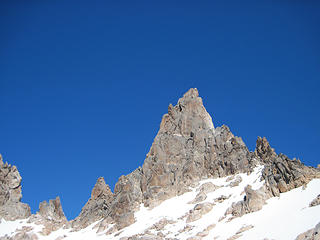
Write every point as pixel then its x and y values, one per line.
pixel 83 85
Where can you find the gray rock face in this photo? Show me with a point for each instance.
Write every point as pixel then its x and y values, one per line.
pixel 11 207
pixel 199 210
pixel 312 234
pixel 127 198
pixel 252 202
pixel 96 207
pixel 315 202
pixel 281 173
pixel 187 149
pixel 52 210
pixel 50 216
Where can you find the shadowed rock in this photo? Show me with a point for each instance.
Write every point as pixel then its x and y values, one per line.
pixel 281 173
pixel 97 206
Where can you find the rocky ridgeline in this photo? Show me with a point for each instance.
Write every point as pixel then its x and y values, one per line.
pixel 186 149
pixel 50 213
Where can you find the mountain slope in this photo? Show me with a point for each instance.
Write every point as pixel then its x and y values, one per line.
pixel 197 182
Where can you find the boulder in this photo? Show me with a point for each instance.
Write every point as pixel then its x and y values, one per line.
pixel 198 211
pixel 253 201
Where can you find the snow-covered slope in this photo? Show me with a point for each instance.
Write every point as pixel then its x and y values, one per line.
pixel 282 217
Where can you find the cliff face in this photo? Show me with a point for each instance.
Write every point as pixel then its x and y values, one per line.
pixel 11 207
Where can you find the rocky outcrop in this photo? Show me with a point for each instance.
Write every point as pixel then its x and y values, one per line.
pixel 253 201
pixel 11 207
pixel 315 202
pixel 312 234
pixel 50 216
pixel 21 236
pixel 52 210
pixel 127 198
pixel 281 173
pixel 198 211
pixel 96 207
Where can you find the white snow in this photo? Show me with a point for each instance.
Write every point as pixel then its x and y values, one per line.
pixel 9 227
pixel 282 217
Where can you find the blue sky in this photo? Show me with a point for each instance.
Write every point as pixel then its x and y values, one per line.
pixel 83 85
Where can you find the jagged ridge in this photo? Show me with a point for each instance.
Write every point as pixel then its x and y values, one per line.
pixel 186 150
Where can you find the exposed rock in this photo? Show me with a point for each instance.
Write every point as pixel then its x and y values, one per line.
pixel 264 151
pixel 236 181
pixel 11 207
pixel 158 226
pixel 253 201
pixel 142 237
pixel 97 206
pixel 236 236
pixel 206 231
pixel 187 228
pixel 221 198
pixel 21 236
pixel 244 228
pixel 201 196
pixel 207 187
pixel 312 234
pixel 23 233
pixel 52 211
pixel 281 173
pixel 186 150
pixel 198 211
pixel 127 199
pixel 315 201
pixel 104 224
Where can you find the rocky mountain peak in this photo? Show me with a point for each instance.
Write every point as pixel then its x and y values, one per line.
pixel 96 207
pixel 100 190
pixel 187 117
pixel 264 151
pixel 186 150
